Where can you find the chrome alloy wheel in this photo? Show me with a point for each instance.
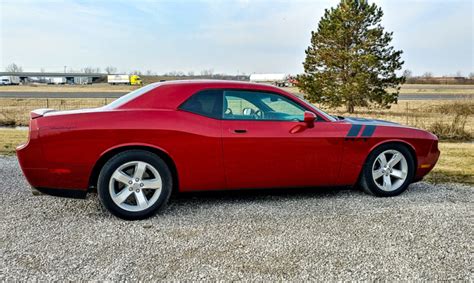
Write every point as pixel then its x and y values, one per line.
pixel 390 170
pixel 135 186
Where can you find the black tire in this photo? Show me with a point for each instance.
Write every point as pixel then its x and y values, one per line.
pixel 367 182
pixel 128 156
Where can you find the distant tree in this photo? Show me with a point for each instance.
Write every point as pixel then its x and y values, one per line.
pixel 407 74
pixel 171 74
pixel 42 70
pixel 459 74
pixel 136 72
pixel 471 75
pixel 350 61
pixel 427 75
pixel 191 74
pixel 14 68
pixel 207 73
pixel 91 70
pixel 149 73
pixel 110 70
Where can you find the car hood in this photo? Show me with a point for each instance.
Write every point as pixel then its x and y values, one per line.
pixel 362 127
pixel 375 122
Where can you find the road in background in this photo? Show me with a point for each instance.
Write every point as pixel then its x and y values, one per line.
pixel 10 94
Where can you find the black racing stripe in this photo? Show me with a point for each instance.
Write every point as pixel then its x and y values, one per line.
pixel 368 131
pixel 354 130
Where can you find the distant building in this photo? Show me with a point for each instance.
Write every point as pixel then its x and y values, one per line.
pixel 57 78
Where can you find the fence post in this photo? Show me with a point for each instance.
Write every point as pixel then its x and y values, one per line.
pixel 105 100
pixel 407 112
pixel 47 102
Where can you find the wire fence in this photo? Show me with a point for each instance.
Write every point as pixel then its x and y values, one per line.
pixel 418 113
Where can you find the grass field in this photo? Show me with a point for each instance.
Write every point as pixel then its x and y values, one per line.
pixel 456 163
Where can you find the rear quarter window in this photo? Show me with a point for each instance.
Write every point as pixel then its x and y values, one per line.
pixel 206 103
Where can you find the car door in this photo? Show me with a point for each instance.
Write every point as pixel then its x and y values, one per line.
pixel 263 149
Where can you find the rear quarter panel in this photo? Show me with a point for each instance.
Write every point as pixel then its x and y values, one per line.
pixel 72 144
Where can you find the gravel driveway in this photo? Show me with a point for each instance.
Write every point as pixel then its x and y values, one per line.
pixel 317 234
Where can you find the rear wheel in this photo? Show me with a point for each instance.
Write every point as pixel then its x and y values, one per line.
pixel 388 171
pixel 134 184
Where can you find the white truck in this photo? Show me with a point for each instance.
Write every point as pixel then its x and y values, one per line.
pixel 124 79
pixel 57 80
pixel 276 79
pixel 9 80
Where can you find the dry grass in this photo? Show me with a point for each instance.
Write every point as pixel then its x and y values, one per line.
pixel 15 111
pixel 452 120
pixel 422 89
pixel 10 139
pixel 104 87
pixel 456 163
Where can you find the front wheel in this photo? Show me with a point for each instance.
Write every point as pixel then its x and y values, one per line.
pixel 388 171
pixel 134 184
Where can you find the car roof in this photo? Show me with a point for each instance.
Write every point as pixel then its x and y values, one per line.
pixel 214 82
pixel 170 94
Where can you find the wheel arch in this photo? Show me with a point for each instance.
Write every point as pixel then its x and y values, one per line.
pixel 405 143
pixel 109 153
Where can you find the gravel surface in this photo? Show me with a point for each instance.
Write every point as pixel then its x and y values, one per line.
pixel 317 234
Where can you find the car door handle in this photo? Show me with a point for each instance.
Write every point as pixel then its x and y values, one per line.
pixel 240 131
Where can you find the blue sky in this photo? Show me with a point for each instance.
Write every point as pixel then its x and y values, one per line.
pixel 227 36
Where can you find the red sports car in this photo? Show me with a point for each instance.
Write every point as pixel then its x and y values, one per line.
pixel 214 135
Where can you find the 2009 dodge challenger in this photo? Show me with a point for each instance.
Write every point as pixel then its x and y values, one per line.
pixel 213 135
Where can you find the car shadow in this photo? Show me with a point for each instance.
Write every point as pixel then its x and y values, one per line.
pixel 250 195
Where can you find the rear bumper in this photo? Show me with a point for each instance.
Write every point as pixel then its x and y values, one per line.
pixel 42 174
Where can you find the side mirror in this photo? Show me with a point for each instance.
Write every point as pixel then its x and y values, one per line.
pixel 309 118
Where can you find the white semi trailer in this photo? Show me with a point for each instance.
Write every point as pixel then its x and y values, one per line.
pixel 9 80
pixel 276 79
pixel 57 80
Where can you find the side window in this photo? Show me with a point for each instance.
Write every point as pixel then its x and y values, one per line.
pixel 255 105
pixel 206 103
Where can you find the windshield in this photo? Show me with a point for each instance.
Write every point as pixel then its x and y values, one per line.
pixel 130 96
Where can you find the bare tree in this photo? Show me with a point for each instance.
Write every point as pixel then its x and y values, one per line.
pixel 91 70
pixel 110 70
pixel 191 74
pixel 207 73
pixel 407 73
pixel 459 74
pixel 136 72
pixel 149 73
pixel 14 68
pixel 471 75
pixel 428 75
pixel 171 74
